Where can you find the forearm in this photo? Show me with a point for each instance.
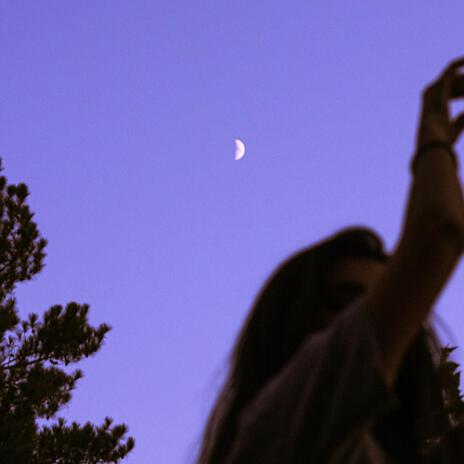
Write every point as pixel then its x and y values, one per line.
pixel 435 203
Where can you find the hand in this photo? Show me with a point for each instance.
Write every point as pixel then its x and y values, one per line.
pixel 435 123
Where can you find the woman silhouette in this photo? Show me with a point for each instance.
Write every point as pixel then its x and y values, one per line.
pixel 337 361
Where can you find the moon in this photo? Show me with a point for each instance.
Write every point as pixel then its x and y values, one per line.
pixel 239 149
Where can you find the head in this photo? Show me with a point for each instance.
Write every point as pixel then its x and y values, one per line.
pixel 348 280
pixel 301 297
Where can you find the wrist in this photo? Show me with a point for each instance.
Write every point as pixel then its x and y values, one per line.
pixel 433 145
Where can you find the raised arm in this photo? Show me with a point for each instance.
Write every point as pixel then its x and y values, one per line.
pixel 432 239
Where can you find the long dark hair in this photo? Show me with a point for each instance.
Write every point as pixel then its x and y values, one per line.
pixel 286 310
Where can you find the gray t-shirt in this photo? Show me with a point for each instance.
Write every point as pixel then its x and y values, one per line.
pixel 320 407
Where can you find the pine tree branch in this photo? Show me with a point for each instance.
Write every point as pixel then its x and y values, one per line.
pixel 28 363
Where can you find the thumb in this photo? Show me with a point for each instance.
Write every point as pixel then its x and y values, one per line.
pixel 457 127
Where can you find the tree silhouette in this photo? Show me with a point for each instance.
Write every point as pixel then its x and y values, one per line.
pixel 34 352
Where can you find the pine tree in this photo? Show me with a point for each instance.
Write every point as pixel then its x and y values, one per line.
pixel 34 380
pixel 448 444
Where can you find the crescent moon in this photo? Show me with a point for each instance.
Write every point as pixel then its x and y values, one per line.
pixel 239 149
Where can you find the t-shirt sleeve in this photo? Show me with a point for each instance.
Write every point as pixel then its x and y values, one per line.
pixel 322 401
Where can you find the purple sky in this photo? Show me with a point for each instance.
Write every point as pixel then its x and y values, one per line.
pixel 121 118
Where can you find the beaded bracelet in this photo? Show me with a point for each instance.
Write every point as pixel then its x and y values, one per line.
pixel 433 145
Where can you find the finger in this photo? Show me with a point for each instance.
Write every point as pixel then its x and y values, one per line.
pixel 452 67
pixel 448 85
pixel 457 127
pixel 449 78
pixel 457 87
pixel 455 64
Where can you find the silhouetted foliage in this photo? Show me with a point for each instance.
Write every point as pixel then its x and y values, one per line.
pixel 33 352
